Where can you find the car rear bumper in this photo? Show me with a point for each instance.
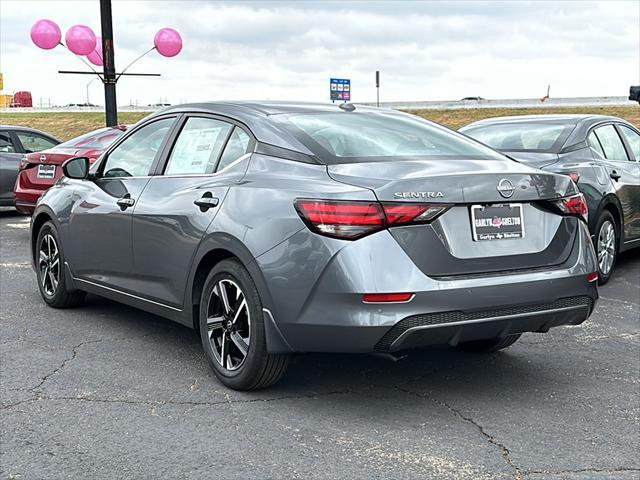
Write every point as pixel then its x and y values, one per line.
pixel 334 318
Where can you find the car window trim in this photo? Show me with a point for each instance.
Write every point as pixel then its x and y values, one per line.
pixel 126 135
pixel 185 116
pixel 630 155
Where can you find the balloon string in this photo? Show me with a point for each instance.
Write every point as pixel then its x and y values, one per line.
pixel 83 61
pixel 127 67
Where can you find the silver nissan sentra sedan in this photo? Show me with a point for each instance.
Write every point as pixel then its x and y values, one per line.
pixel 278 228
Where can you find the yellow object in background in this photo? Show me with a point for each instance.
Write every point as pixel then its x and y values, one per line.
pixel 6 101
pixel 1 82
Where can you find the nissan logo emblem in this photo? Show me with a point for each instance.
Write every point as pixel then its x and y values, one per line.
pixel 506 188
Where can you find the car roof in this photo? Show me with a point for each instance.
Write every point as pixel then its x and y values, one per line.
pixel 14 128
pixel 264 107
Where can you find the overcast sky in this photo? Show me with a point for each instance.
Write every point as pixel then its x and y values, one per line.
pixel 289 50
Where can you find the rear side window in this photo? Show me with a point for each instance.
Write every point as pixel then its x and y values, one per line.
pixel 633 139
pixel 594 143
pixel 539 137
pixel 379 136
pixel 32 142
pixel 238 145
pixel 6 146
pixel 611 143
pixel 198 147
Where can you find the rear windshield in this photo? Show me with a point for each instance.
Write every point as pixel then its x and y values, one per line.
pixel 99 139
pixel 344 137
pixel 535 137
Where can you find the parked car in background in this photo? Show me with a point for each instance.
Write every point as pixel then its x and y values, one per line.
pixel 15 142
pixel 601 154
pixel 281 228
pixel 39 171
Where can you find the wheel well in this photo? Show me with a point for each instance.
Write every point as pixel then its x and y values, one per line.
pixel 36 224
pixel 202 271
pixel 615 213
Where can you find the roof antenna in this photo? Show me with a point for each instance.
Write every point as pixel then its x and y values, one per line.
pixel 347 107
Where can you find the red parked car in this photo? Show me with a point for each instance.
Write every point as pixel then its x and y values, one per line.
pixel 41 170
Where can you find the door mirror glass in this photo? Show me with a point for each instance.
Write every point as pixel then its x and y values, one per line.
pixel 77 168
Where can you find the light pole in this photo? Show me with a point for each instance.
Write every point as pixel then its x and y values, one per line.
pixel 90 82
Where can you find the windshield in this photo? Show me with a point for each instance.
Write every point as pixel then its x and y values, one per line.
pixel 343 137
pixel 98 139
pixel 537 137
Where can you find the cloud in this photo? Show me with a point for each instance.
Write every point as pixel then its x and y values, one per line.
pixel 288 50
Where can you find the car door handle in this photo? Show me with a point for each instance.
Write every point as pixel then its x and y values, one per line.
pixel 615 175
pixel 125 202
pixel 206 202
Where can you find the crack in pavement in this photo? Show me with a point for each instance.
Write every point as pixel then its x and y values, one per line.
pixel 506 454
pixel 64 363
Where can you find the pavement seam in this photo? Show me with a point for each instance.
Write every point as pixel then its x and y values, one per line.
pixel 156 403
pixel 505 452
pixel 581 470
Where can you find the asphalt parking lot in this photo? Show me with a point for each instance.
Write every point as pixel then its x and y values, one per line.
pixel 107 391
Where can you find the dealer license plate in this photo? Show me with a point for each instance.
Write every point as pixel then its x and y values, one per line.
pixel 497 222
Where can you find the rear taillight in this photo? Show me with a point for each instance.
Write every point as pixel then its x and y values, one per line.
pixel 24 164
pixel 354 219
pixel 574 205
pixel 592 277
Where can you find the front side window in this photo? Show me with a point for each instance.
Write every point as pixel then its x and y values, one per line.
pixel 6 146
pixel 611 143
pixel 32 142
pixel 135 155
pixel 539 137
pixel 238 145
pixel 198 147
pixel 371 136
pixel 633 139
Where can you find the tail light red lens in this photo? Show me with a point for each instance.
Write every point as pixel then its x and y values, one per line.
pixel 354 219
pixel 592 277
pixel 575 205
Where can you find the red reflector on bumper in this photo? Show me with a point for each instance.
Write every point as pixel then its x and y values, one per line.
pixel 387 297
pixel 592 277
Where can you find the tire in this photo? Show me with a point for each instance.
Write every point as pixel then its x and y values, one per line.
pixel 489 345
pixel 52 281
pixel 231 315
pixel 606 245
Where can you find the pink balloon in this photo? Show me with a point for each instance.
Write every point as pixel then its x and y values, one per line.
pixel 168 42
pixel 80 40
pixel 95 56
pixel 46 34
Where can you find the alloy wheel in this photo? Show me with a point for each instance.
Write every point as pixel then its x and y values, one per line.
pixel 606 247
pixel 229 324
pixel 49 265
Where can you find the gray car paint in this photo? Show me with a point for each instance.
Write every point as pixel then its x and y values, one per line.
pixel 151 255
pixel 10 162
pixel 601 191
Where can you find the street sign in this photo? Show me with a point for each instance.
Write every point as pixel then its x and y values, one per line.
pixel 340 89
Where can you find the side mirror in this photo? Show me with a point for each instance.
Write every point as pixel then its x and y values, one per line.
pixel 77 168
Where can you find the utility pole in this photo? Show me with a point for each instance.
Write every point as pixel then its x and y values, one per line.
pixel 377 88
pixel 109 72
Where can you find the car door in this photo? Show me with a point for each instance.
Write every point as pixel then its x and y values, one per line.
pixel 100 223
pixel 622 173
pixel 10 156
pixel 631 138
pixel 178 205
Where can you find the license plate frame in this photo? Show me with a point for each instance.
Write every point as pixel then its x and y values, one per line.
pixel 497 222
pixel 46 172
